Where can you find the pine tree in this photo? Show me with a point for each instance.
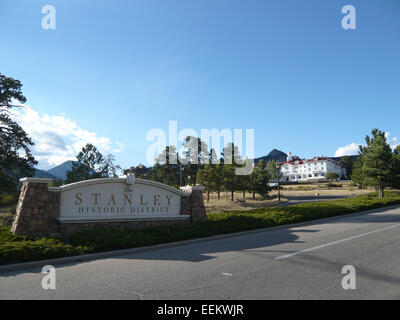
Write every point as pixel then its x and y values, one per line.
pixel 347 163
pixel 16 159
pixel 259 180
pixel 195 156
pixel 378 163
pixel 90 165
pixel 167 166
pixel 204 177
pixel 230 179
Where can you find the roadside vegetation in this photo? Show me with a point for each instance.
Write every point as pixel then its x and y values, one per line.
pixel 14 249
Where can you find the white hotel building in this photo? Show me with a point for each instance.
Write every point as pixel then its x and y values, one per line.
pixel 301 170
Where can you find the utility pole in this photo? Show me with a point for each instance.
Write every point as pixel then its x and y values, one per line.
pixel 181 168
pixel 278 170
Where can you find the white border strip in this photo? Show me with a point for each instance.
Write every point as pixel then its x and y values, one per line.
pixel 122 180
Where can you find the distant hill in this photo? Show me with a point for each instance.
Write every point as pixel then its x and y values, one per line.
pixel 44 174
pixel 61 170
pixel 278 155
pixel 275 154
pixel 56 173
pixel 354 158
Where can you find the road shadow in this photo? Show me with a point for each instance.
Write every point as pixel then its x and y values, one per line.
pixel 207 250
pixel 198 252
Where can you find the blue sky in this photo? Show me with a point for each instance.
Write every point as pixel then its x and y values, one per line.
pixel 113 70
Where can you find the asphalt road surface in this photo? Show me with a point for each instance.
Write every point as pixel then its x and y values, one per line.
pixel 301 262
pixel 293 200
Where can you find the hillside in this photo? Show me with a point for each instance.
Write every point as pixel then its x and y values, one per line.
pixel 44 174
pixel 278 155
pixel 56 173
pixel 275 154
pixel 61 170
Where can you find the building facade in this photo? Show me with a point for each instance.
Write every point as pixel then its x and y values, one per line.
pixel 303 170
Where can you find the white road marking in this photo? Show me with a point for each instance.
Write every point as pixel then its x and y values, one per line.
pixel 336 242
pixel 226 274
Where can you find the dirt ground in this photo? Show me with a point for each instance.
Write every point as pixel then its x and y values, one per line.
pixel 290 194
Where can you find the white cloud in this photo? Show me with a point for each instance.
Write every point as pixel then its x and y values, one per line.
pixel 392 141
pixel 348 150
pixel 352 148
pixel 57 138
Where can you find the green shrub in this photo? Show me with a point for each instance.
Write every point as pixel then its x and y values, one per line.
pixel 6 219
pixel 14 249
pixel 334 185
pixel 7 200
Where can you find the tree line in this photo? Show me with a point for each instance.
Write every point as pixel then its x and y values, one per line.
pixel 378 165
pixel 190 168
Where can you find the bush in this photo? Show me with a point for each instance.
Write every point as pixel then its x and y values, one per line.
pixel 334 185
pixel 332 176
pixel 7 200
pixel 6 219
pixel 14 249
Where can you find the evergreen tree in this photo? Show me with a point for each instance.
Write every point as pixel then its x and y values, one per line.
pixel 271 168
pixel 195 156
pixel 204 177
pixel 230 179
pixel 167 166
pixel 90 165
pixel 16 159
pixel 259 180
pixel 217 178
pixel 396 168
pixel 377 163
pixel 243 181
pixel 231 159
pixel 347 163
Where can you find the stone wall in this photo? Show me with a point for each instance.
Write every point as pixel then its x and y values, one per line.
pixel 38 211
pixel 194 204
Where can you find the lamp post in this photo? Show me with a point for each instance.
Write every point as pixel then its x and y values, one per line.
pixel 181 168
pixel 278 169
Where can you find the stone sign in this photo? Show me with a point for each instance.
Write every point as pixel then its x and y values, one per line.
pixel 125 202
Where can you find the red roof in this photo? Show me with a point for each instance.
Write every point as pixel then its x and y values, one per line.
pixel 304 161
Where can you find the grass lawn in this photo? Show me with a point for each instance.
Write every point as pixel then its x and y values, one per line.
pixel 15 249
pixel 247 203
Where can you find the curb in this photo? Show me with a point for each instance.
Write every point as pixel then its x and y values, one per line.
pixel 114 253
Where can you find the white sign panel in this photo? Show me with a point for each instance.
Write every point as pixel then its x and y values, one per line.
pixel 119 199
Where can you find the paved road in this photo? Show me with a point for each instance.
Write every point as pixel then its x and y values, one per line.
pixel 302 262
pixel 293 200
